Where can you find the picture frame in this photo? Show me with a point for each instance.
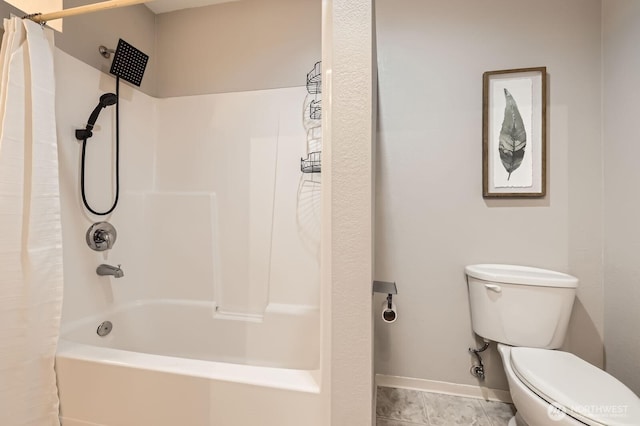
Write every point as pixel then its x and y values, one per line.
pixel 514 133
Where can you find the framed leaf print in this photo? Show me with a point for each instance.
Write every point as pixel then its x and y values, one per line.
pixel 514 140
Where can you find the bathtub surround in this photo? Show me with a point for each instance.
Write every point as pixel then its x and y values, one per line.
pixel 212 226
pixel 243 173
pixel 221 167
pixel 87 293
pixel 31 244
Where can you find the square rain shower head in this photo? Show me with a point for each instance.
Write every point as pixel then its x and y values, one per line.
pixel 129 63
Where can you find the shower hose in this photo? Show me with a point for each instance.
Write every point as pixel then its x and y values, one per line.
pixel 82 165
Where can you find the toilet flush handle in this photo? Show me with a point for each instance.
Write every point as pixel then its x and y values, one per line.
pixel 493 287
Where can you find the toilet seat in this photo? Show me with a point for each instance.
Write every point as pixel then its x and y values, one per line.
pixel 582 390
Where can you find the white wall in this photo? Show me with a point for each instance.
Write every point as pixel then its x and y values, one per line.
pixel 621 78
pixel 347 219
pixel 431 219
pixel 213 206
pixel 238 154
pixel 85 293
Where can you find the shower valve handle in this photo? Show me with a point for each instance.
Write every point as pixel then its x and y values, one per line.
pixel 102 239
pixel 101 236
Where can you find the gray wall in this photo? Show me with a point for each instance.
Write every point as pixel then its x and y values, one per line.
pixel 6 10
pixel 237 46
pixel 621 77
pixel 431 217
pixel 83 34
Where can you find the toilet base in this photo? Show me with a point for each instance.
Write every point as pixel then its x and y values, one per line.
pixel 517 420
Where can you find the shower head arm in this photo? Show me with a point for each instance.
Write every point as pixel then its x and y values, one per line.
pixel 105 51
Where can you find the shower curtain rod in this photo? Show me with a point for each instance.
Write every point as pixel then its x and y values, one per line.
pixel 110 4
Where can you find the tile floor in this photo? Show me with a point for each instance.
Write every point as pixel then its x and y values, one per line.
pixel 404 407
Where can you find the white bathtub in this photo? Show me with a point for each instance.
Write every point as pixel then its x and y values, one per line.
pixel 180 363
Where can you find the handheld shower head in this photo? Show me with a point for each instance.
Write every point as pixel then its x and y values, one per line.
pixel 106 100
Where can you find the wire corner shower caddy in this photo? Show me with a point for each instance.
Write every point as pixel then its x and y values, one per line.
pixel 313 162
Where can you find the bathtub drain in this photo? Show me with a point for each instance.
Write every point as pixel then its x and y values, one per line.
pixel 104 328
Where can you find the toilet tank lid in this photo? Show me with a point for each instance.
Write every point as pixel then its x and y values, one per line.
pixel 582 390
pixel 525 275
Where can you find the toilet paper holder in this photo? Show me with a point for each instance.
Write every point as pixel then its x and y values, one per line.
pixel 385 287
pixel 389 313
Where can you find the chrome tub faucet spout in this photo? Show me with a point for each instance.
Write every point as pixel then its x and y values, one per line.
pixel 110 270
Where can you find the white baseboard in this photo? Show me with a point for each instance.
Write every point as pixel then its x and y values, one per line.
pixel 65 421
pixel 468 391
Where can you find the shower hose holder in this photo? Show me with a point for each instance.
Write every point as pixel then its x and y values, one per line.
pixel 83 134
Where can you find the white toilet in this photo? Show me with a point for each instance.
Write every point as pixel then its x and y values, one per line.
pixel 526 310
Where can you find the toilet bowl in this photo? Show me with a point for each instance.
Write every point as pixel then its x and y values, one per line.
pixel 526 311
pixel 557 388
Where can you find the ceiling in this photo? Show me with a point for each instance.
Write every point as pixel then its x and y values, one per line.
pixel 162 6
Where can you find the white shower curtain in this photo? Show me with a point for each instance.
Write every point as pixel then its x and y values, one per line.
pixel 30 230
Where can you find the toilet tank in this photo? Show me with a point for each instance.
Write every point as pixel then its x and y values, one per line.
pixel 520 305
